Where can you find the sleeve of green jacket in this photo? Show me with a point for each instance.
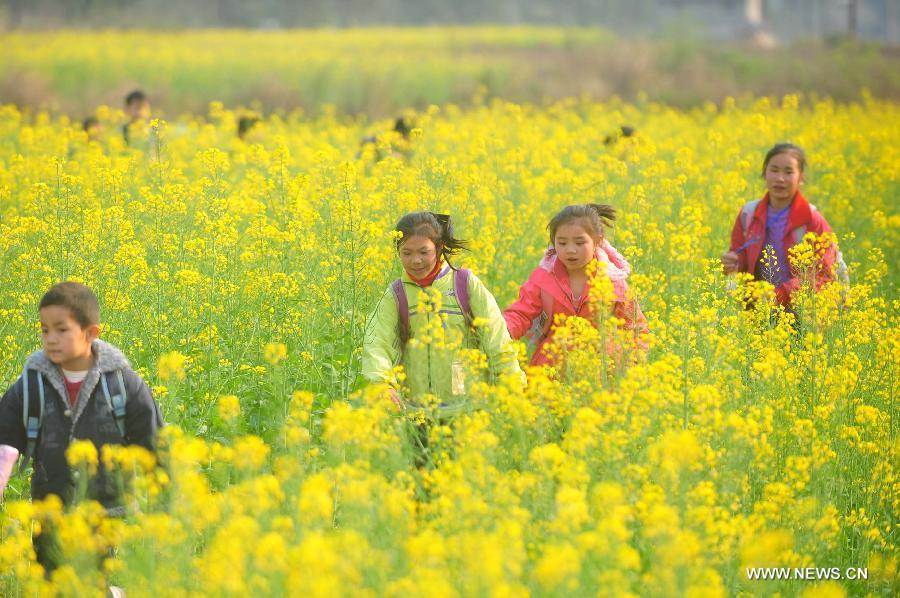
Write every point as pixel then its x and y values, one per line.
pixel 381 343
pixel 493 335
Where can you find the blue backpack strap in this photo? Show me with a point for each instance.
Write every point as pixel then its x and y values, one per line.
pixel 32 413
pixel 461 290
pixel 113 385
pixel 402 312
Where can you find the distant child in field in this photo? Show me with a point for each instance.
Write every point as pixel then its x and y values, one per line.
pixel 397 331
pixel 561 282
pixel 624 131
pixel 245 125
pixel 92 128
pixel 402 148
pixel 767 228
pixel 76 388
pixel 137 111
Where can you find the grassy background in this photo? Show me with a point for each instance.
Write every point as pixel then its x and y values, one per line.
pixel 380 71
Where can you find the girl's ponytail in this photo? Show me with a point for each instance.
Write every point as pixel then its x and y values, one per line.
pixel 450 245
pixel 605 212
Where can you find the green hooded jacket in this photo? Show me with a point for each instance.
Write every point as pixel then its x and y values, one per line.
pixel 429 366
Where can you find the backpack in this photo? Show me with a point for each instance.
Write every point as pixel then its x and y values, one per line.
pixel 460 290
pixel 112 383
pixel 841 271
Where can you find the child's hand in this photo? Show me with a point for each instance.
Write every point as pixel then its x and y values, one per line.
pixel 729 262
pixel 8 456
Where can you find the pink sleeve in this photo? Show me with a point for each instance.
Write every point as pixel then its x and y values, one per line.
pixel 527 307
pixel 8 456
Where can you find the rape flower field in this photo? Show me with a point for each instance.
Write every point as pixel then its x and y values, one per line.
pixel 238 278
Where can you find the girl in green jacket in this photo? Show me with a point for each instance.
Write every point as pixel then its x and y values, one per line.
pixel 429 316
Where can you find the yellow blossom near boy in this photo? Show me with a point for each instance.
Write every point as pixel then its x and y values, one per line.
pixel 274 353
pixel 82 453
pixel 171 365
pixel 316 504
pixel 250 452
pixel 229 408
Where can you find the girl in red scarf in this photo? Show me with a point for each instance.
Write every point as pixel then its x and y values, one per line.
pixel 777 222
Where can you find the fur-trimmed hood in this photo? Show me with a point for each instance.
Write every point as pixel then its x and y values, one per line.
pixel 107 359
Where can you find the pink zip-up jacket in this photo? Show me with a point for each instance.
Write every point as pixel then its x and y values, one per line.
pixel 548 291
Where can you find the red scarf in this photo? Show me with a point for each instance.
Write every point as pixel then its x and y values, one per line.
pixel 426 282
pixel 72 388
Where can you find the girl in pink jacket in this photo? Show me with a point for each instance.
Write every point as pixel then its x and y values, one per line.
pixel 560 284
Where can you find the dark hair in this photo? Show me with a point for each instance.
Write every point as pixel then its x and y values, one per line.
pixel 79 299
pixel 623 131
pixel 598 217
pixel 89 122
pixel 785 148
pixel 402 126
pixel 436 227
pixel 135 96
pixel 245 124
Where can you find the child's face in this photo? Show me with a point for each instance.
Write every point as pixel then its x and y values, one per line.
pixel 418 255
pixel 783 177
pixel 138 110
pixel 574 245
pixel 66 343
pixel 94 132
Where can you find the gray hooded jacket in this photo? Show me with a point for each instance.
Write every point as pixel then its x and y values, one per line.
pixel 89 419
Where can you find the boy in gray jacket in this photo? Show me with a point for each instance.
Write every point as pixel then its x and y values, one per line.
pixel 76 388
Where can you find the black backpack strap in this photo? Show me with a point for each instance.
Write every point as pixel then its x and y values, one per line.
pixel 113 385
pixel 32 412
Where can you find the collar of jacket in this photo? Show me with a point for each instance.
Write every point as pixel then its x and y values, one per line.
pixel 800 212
pixel 107 358
pixel 562 291
pixel 407 279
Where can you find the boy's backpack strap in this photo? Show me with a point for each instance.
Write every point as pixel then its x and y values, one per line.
pixel 747 212
pixel 461 290
pixel 32 412
pixel 402 312
pixel 113 385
